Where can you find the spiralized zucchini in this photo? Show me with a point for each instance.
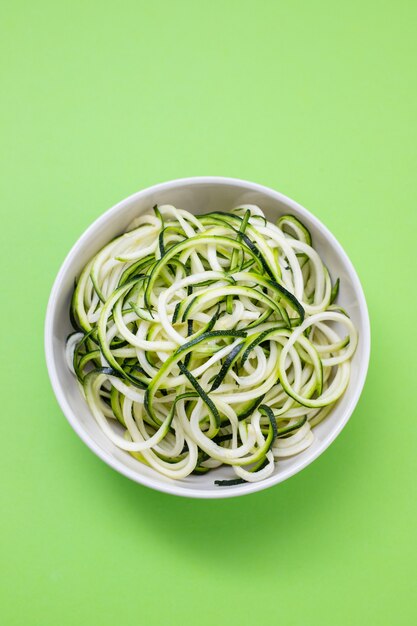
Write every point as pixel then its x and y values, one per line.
pixel 210 340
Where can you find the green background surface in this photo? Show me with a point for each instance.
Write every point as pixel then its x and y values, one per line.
pixel 315 99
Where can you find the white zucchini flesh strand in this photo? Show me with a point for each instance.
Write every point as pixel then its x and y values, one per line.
pixel 177 355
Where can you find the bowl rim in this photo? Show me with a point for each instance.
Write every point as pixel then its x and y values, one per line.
pixel 177 488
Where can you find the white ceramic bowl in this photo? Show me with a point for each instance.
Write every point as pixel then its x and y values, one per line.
pixel 198 195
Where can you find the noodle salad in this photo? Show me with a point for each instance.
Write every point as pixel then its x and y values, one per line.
pixel 210 340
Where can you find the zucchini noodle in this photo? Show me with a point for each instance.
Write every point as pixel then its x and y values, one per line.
pixel 210 340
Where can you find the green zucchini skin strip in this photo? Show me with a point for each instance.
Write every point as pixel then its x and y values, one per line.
pixel 335 291
pixel 72 311
pixel 135 270
pixel 241 481
pixel 251 408
pixel 242 228
pixel 263 336
pixel 290 429
pixel 264 409
pixel 230 483
pixel 206 399
pixel 292 220
pixel 115 405
pixel 232 356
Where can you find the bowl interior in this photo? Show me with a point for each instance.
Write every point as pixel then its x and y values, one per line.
pixel 198 196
